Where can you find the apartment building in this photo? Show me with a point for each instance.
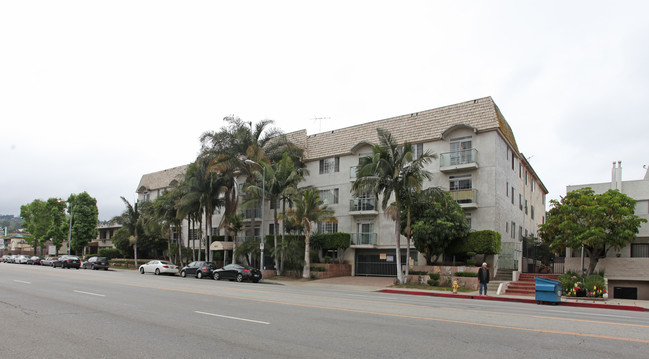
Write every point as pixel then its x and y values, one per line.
pixel 627 270
pixel 478 162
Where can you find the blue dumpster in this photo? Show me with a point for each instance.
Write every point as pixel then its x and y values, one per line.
pixel 547 290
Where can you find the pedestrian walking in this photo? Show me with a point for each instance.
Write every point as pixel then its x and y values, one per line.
pixel 483 277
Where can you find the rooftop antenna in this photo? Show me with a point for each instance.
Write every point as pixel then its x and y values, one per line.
pixel 319 119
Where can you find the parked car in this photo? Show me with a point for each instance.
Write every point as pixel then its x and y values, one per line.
pixel 21 259
pixel 95 263
pixel 12 258
pixel 159 267
pixel 5 258
pixel 198 269
pixel 70 262
pixel 34 260
pixel 237 272
pixel 47 261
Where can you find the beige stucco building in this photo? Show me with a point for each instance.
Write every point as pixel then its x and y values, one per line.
pixel 628 269
pixel 478 162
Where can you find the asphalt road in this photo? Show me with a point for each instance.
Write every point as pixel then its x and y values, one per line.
pixel 65 313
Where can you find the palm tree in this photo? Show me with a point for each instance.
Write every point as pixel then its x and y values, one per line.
pixel 131 219
pixel 281 180
pixel 388 172
pixel 234 224
pixel 166 211
pixel 310 208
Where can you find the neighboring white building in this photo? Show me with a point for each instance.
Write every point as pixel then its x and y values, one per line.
pixel 628 269
pixel 478 161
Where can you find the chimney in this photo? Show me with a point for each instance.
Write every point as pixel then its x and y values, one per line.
pixel 613 176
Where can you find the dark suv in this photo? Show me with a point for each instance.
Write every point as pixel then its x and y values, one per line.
pixel 95 263
pixel 198 269
pixel 70 262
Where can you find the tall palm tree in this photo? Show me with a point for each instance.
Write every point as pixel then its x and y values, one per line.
pixel 389 171
pixel 309 208
pixel 281 180
pixel 234 224
pixel 166 211
pixel 132 220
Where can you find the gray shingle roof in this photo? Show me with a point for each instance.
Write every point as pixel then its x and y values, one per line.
pixel 481 114
pixel 161 179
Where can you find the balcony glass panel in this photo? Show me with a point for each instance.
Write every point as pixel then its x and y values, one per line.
pixel 363 238
pixel 458 157
pixel 362 204
pixel 465 195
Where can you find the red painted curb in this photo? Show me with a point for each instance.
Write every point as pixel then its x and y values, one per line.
pixel 515 300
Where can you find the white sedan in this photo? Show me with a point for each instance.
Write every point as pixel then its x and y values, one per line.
pixel 159 267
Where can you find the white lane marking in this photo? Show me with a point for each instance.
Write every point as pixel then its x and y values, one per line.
pixel 595 314
pixel 88 293
pixel 227 317
pixel 22 281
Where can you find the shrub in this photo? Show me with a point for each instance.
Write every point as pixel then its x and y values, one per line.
pixel 328 259
pixel 594 282
pixel 568 281
pixel 109 253
pixel 318 269
pixel 485 242
pixel 434 276
pixel 433 282
pixel 465 274
pixel 471 262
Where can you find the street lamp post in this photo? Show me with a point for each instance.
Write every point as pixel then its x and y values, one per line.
pixel 263 195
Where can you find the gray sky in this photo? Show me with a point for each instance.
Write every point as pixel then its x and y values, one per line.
pixel 95 94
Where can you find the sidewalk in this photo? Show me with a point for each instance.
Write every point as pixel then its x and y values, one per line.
pixel 384 285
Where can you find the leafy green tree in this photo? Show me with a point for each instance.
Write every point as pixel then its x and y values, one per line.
pixel 389 171
pixel 132 223
pixel 36 220
pixel 485 242
pixel 85 217
pixel 58 225
pixel 599 222
pixel 309 208
pixel 438 221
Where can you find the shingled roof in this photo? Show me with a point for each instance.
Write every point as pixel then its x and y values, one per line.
pixel 161 179
pixel 481 114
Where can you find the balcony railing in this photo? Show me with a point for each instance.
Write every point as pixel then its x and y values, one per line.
pixel 251 213
pixel 363 238
pixel 458 158
pixel 465 196
pixel 353 171
pixel 362 204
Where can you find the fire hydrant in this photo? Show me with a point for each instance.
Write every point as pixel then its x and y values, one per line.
pixel 455 286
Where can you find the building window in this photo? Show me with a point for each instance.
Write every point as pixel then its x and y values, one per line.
pixel 520 169
pixel 330 165
pixel 461 150
pixel 460 182
pixel 525 206
pixel 532 184
pixel 639 250
pixel 215 231
pixel 513 162
pixel 507 189
pixel 417 150
pixel 506 227
pixel 520 201
pixel 532 211
pixel 329 196
pixel 327 227
pixel 272 229
pixel 513 230
pixel 513 200
pixel 520 232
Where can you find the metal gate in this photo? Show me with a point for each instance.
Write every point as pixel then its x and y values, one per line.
pixel 539 258
pixel 509 255
pixel 379 262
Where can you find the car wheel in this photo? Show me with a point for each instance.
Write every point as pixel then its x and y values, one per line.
pixel 183 274
pixel 199 275
pixel 93 267
pixel 239 277
pixel 157 271
pixel 216 276
pixel 141 270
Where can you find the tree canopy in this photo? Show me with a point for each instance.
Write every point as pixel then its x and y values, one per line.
pixel 437 222
pixel 599 221
pixel 85 217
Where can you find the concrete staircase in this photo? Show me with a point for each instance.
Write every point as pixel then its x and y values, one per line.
pixel 526 285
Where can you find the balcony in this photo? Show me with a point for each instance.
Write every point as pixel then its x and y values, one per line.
pixel 352 172
pixel 363 206
pixel 466 198
pixel 459 160
pixel 251 213
pixel 363 239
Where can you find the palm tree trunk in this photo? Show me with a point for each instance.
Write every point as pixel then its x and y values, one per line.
pixel 397 226
pixel 306 271
pixel 276 222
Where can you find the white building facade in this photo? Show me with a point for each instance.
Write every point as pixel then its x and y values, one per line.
pixel 478 162
pixel 627 270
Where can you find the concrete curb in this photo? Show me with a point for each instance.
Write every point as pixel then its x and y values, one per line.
pixel 515 300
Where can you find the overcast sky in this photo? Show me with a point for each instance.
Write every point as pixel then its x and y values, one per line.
pixel 94 94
